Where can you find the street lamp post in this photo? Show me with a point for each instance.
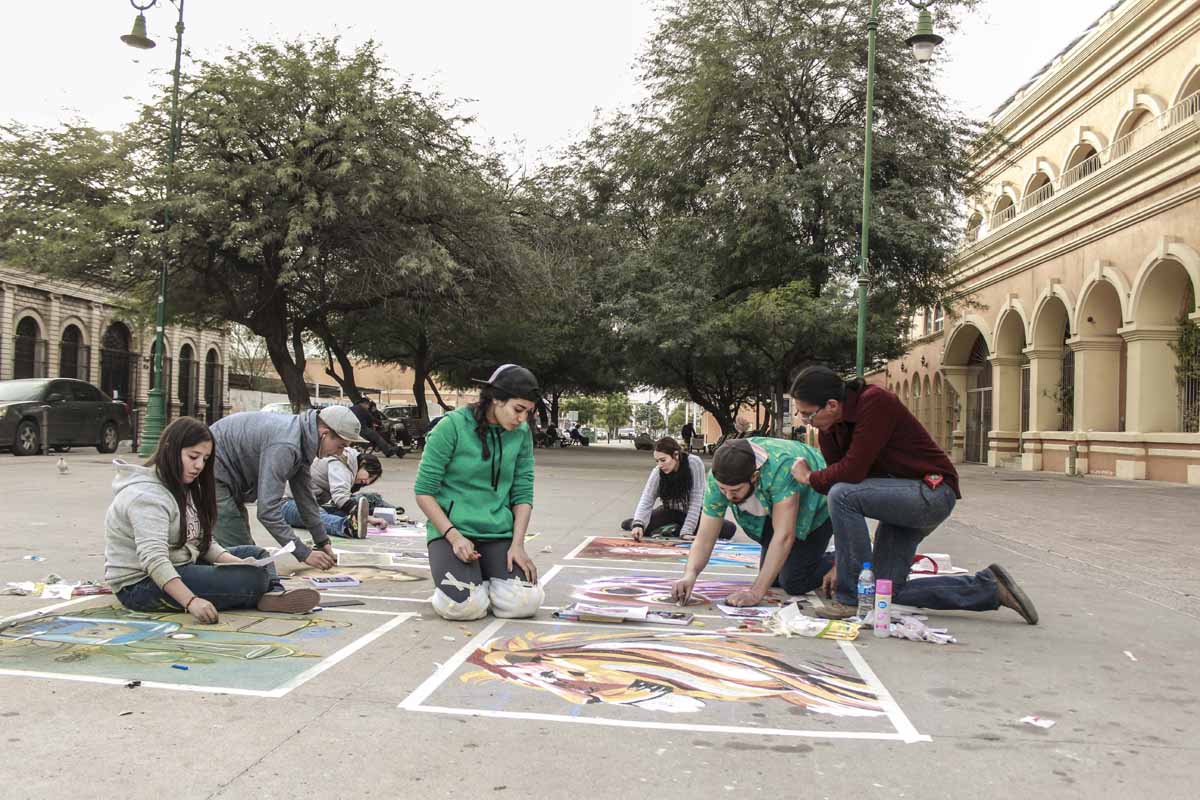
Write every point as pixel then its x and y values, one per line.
pixel 923 43
pixel 156 402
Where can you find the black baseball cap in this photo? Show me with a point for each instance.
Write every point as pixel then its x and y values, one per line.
pixel 735 462
pixel 513 380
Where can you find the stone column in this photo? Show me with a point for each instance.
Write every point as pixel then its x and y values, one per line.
pixel 8 330
pixel 1005 434
pixel 956 378
pixel 1045 375
pixel 1151 402
pixel 96 339
pixel 1097 382
pixel 54 337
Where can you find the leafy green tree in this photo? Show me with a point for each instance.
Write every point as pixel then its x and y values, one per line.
pixel 677 417
pixel 309 184
pixel 616 412
pixel 588 406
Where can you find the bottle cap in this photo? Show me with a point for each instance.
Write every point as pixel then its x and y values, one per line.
pixel 883 586
pixel 866 565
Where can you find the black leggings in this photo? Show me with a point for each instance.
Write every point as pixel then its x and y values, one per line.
pixel 806 564
pixel 661 515
pixel 492 563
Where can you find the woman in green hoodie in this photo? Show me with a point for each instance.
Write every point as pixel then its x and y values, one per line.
pixel 159 552
pixel 475 487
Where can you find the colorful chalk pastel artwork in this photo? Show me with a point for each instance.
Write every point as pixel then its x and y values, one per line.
pixel 655 590
pixel 245 650
pixel 725 554
pixel 678 673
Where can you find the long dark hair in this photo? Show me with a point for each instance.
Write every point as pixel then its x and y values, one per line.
pixel 675 488
pixel 818 385
pixel 167 461
pixel 487 396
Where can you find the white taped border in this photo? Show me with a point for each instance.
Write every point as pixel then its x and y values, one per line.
pixel 330 661
pixel 904 731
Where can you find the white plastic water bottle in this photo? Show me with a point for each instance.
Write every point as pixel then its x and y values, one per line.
pixel 883 608
pixel 866 591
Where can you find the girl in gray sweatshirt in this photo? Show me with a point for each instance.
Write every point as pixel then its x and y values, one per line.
pixel 159 554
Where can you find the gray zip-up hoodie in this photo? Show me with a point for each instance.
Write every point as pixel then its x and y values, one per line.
pixel 143 532
pixel 333 479
pixel 257 454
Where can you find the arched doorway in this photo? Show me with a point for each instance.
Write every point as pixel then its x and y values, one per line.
pixel 1100 357
pixel 1052 369
pixel 29 350
pixel 1084 161
pixel 214 385
pixel 118 364
pixel 939 414
pixel 979 403
pixel 1156 401
pixel 1010 389
pixel 188 380
pixel 73 360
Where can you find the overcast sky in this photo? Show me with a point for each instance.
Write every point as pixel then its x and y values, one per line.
pixel 535 71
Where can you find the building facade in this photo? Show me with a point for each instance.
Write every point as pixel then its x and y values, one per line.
pixel 1060 347
pixel 50 329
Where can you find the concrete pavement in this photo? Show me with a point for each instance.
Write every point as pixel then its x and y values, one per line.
pixel 1109 564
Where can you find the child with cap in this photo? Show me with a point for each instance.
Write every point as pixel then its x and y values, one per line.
pixel 475 487
pixel 789 520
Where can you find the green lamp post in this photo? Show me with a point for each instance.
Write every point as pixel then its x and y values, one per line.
pixel 156 404
pixel 923 43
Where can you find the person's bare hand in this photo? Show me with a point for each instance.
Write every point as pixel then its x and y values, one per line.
pixel 681 591
pixel 463 547
pixel 377 522
pixel 203 611
pixel 518 557
pixel 829 582
pixel 744 598
pixel 322 558
pixel 638 532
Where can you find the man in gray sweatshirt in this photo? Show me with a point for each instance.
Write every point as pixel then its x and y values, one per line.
pixel 257 455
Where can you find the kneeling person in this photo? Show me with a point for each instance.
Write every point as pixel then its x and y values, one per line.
pixel 789 520
pixel 475 487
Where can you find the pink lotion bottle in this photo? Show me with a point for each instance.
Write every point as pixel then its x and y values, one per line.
pixel 883 608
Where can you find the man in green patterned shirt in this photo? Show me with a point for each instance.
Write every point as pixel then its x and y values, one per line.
pixel 790 520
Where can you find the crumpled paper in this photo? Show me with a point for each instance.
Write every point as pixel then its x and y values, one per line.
pixel 790 621
pixel 916 630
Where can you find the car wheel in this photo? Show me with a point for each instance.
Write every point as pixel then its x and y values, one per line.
pixel 108 439
pixel 28 440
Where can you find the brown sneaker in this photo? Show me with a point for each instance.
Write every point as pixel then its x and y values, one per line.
pixel 1011 595
pixel 359 521
pixel 832 609
pixel 292 601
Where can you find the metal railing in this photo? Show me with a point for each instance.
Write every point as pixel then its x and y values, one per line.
pixel 1188 383
pixel 1143 135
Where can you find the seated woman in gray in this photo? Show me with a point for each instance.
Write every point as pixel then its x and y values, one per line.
pixel 678 480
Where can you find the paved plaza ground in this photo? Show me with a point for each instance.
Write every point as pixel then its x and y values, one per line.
pixel 385 700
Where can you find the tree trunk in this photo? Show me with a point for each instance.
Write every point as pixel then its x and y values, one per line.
pixel 436 394
pixel 291 373
pixel 420 374
pixel 554 398
pixel 346 380
pixel 777 426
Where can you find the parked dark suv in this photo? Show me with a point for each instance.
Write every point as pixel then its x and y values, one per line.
pixel 79 414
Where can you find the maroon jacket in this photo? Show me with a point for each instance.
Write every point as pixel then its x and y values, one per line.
pixel 878 437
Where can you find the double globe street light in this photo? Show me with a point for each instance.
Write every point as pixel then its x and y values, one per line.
pixel 156 402
pixel 923 43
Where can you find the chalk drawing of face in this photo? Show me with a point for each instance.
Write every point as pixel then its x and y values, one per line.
pixel 669 672
pixel 652 590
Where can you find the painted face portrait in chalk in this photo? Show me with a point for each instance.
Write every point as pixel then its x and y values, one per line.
pixel 675 673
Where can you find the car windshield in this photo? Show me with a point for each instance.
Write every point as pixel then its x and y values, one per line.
pixel 17 391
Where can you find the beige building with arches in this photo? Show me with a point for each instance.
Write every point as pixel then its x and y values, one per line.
pixel 50 328
pixel 1059 347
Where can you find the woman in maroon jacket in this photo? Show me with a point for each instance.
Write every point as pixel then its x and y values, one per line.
pixel 884 465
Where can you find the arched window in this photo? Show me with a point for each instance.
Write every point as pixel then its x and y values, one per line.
pixel 974 224
pixel 214 386
pixel 118 365
pixel 166 378
pixel 1126 138
pixel 1187 104
pixel 73 357
pixel 979 402
pixel 1038 191
pixel 29 350
pixel 188 380
pixel 1084 161
pixel 1003 212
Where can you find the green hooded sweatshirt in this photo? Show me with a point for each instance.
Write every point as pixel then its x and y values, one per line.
pixel 477 493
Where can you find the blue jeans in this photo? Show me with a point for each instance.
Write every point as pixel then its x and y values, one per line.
pixel 807 562
pixel 224 587
pixel 908 511
pixel 335 524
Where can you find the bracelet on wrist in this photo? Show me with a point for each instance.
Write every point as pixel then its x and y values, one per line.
pixel 447 531
pixel 187 606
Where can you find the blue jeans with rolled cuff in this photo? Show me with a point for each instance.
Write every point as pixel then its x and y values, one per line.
pixel 907 511
pixel 233 586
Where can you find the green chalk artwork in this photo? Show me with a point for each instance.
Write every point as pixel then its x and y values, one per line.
pixel 244 651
